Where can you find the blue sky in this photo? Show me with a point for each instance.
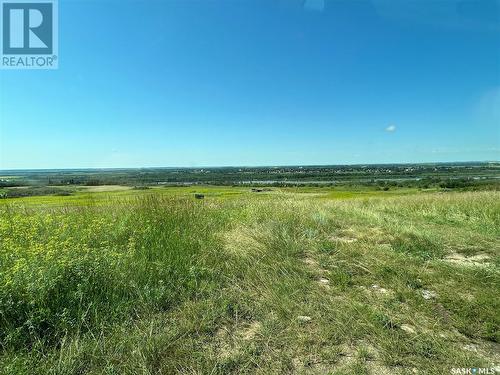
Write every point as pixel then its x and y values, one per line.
pixel 259 82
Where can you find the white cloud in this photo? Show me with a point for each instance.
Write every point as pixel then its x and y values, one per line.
pixel 391 128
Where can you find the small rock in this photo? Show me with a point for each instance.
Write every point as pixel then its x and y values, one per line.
pixel 407 328
pixel 324 281
pixel 428 294
pixel 304 318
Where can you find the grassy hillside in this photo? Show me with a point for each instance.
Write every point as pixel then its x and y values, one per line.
pixel 291 281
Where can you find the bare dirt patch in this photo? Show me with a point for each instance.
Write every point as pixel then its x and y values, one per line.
pixel 475 260
pixel 310 365
pixel 231 340
pixel 379 289
pixel 343 239
pixel 248 333
pixel 489 350
pixel 378 369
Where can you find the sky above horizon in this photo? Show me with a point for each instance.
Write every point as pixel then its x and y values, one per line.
pixel 259 82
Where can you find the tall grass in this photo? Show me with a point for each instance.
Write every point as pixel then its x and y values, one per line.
pixel 82 269
pixel 159 285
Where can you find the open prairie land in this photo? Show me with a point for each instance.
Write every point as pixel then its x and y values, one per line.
pixel 288 281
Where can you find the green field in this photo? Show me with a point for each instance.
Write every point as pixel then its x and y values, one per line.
pixel 303 280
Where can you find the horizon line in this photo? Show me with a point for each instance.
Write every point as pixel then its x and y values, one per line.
pixel 249 166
